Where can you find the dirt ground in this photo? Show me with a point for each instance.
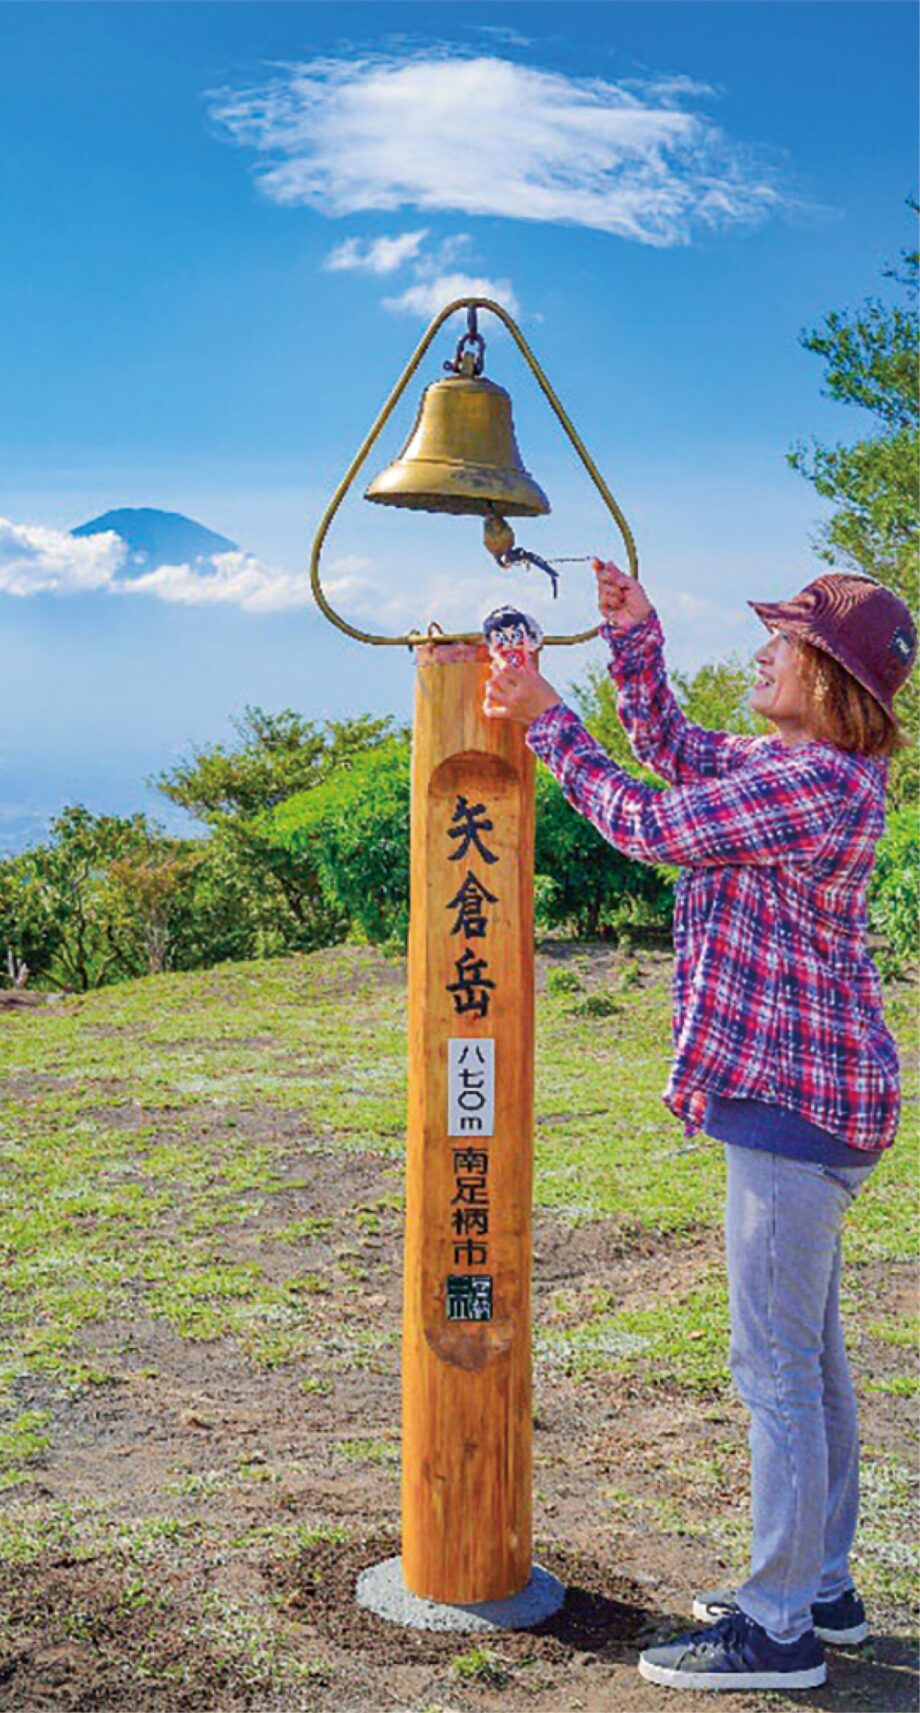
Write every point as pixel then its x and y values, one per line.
pixel 626 1509
pixel 185 1407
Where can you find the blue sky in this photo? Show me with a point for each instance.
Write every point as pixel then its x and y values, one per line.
pixel 225 227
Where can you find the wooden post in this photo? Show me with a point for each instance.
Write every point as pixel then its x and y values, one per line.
pixel 466 1442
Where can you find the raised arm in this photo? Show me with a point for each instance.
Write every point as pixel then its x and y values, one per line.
pixel 778 811
pixel 660 735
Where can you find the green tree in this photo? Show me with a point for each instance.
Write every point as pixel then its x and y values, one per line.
pixel 28 930
pixel 870 361
pixel 894 891
pixel 63 911
pixel 156 890
pixel 717 696
pixel 279 900
pixel 582 883
pixel 278 755
pixel 354 827
pixel 228 912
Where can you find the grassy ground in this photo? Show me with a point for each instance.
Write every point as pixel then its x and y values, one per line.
pixel 200 1253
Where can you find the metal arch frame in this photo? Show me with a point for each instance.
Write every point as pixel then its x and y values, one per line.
pixel 435 634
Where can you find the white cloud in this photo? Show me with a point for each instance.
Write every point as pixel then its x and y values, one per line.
pixel 345 579
pixel 666 90
pixel 434 283
pixel 429 295
pixel 35 560
pixel 700 612
pixel 482 135
pixel 236 580
pixel 226 579
pixel 376 255
pixel 501 33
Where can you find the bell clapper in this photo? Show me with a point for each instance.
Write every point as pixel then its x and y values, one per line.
pixel 497 535
pixel 499 539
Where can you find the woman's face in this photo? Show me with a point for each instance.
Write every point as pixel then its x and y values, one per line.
pixel 779 693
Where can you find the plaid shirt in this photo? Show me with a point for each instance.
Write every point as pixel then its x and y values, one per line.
pixel 775 995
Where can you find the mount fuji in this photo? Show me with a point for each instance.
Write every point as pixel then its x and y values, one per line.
pixel 155 538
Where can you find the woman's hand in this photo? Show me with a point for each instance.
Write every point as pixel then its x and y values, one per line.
pixel 622 601
pixel 519 696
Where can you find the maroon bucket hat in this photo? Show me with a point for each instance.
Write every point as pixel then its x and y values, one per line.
pixel 857 621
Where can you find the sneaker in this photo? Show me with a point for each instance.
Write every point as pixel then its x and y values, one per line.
pixel 735 1653
pixel 841 1622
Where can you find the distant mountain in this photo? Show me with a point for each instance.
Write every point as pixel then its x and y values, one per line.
pixel 158 538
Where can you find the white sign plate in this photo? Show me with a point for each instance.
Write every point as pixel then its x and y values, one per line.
pixel 470 1087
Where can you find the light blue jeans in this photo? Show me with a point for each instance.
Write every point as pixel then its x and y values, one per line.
pixel 783 1220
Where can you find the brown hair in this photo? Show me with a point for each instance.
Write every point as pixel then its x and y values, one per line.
pixel 840 711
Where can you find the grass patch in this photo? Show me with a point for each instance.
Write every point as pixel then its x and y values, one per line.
pixel 162 1144
pixel 887 1560
pixel 902 1332
pixel 580 1350
pixel 304 1230
pixel 250 1636
pixel 289 1538
pixel 21 1443
pixel 154 1537
pixel 29 1531
pixel 380 1453
pixel 481 1665
pixel 202 1485
pixel 687 1337
pixel 314 1386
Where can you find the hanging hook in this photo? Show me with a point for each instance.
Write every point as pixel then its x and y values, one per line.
pixel 470 355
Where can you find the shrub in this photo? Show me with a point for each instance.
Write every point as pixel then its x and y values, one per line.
pixel 562 981
pixel 894 894
pixel 583 883
pixel 596 1005
pixel 355 827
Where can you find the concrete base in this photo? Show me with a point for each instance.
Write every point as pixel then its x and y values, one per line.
pixel 381 1589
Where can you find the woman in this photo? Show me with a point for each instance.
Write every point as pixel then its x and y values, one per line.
pixel 781 1049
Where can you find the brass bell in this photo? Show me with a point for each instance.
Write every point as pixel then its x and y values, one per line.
pixel 462 455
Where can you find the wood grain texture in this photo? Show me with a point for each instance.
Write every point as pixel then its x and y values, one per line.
pixel 467 1460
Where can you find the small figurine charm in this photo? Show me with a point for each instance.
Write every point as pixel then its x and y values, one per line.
pixel 512 638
